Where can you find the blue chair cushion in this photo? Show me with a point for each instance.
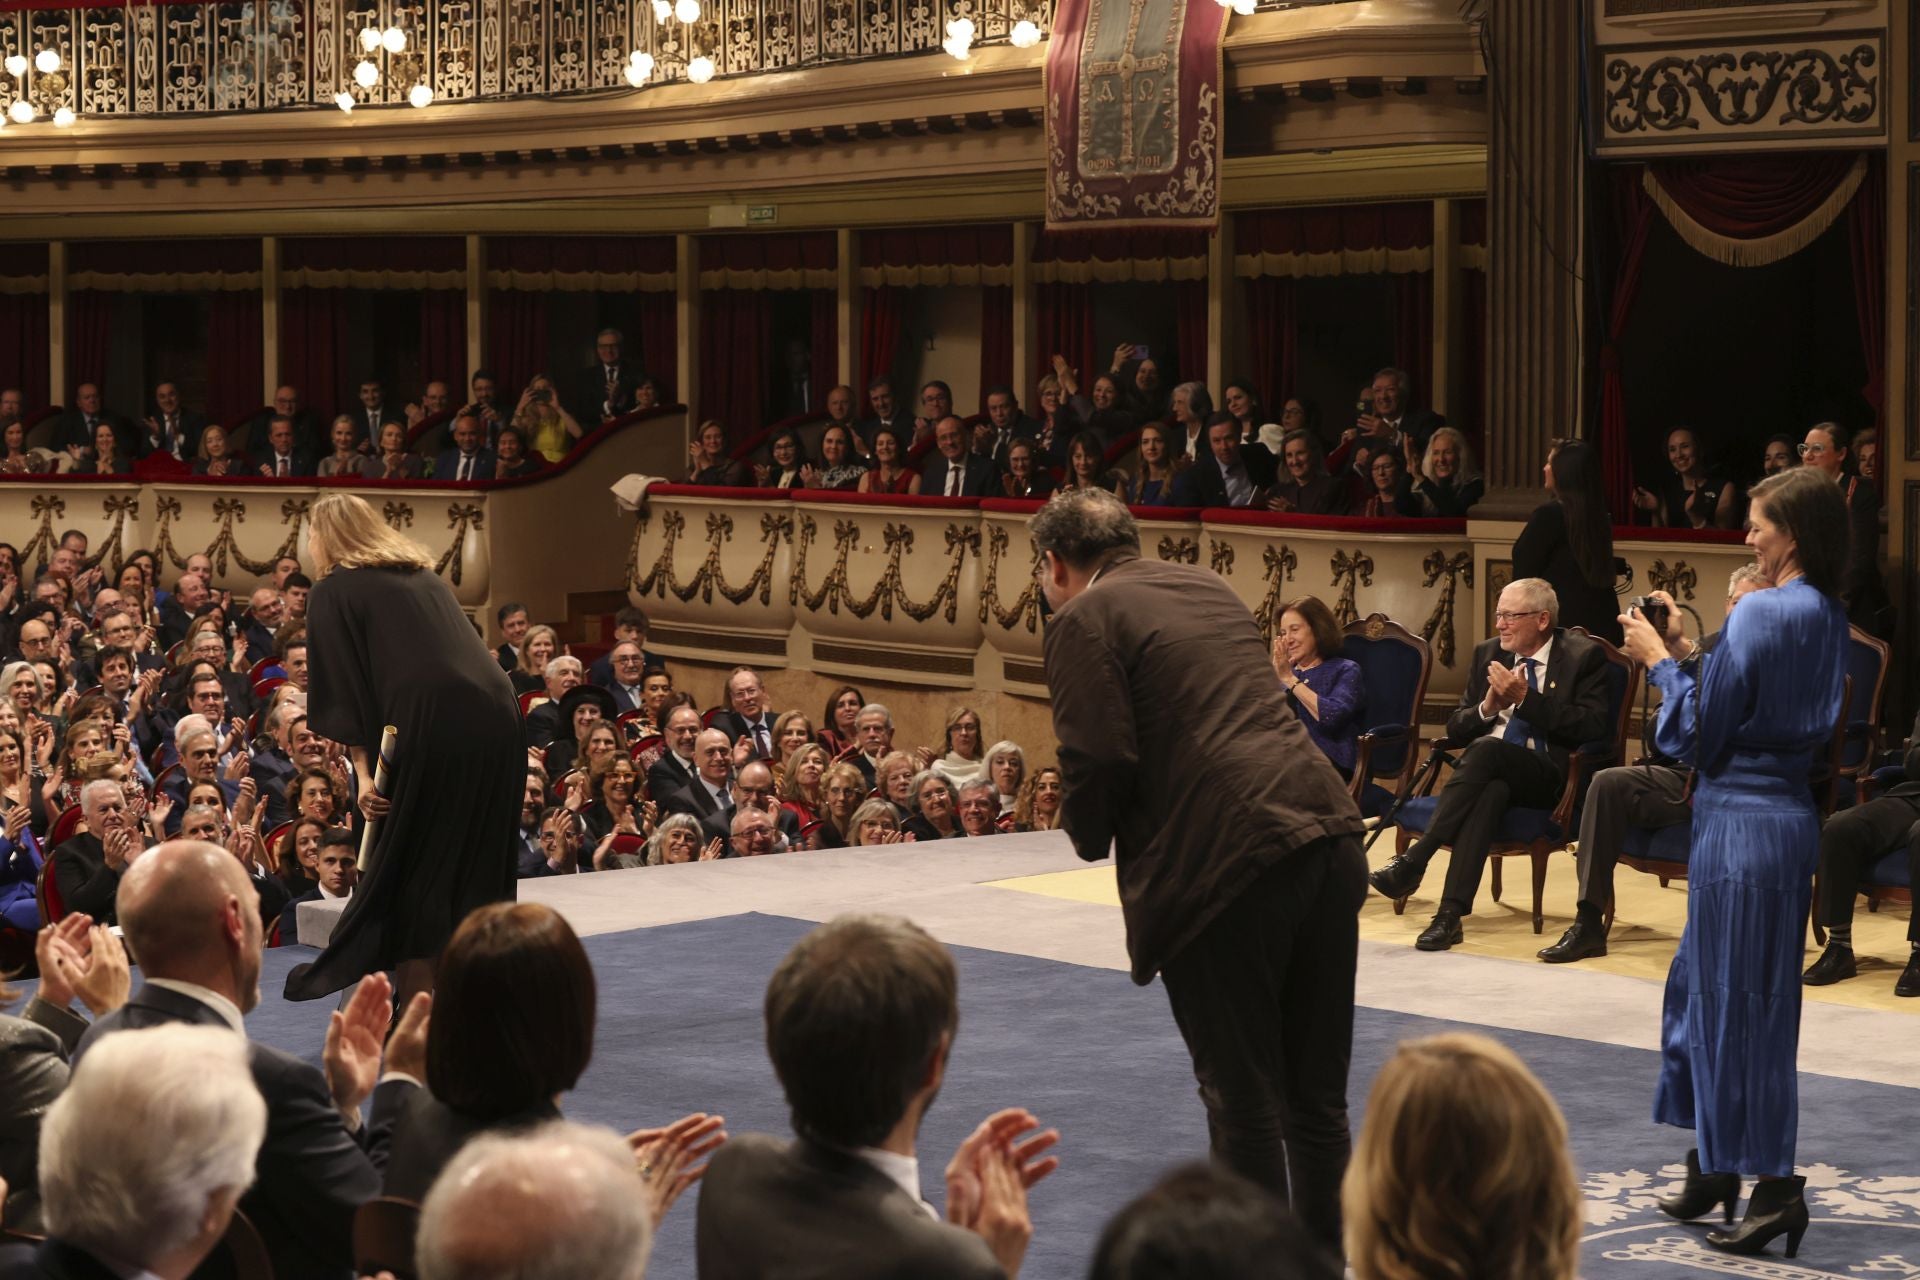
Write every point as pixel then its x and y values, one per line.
pixel 1374 799
pixel 1663 844
pixel 1517 826
pixel 1892 871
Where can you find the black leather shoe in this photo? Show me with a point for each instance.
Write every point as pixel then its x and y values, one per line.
pixel 1443 932
pixel 1909 984
pixel 1834 965
pixel 1702 1192
pixel 1580 941
pixel 1778 1206
pixel 1399 878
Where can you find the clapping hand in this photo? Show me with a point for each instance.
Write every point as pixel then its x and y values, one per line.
pixel 118 847
pixel 713 850
pixel 79 957
pixel 665 1158
pixel 742 752
pixel 17 818
pixel 355 1035
pixel 158 810
pixel 1505 687
pixel 988 1178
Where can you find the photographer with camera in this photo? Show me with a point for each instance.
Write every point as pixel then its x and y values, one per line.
pixel 549 430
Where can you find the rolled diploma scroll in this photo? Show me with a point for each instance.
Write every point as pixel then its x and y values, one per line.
pixel 380 785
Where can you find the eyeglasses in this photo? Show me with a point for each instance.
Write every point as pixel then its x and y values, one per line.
pixel 1806 448
pixel 1505 615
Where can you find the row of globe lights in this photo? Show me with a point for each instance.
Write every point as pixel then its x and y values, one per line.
pixel 46 62
pixel 366 72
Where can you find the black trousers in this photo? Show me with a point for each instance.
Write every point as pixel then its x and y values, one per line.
pixel 1264 999
pixel 1618 800
pixel 1493 776
pixel 1853 840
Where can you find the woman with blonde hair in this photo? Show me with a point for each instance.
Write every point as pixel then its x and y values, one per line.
pixel 1037 807
pixel 544 422
pixel 874 823
pixel 1461 1171
pixel 963 761
pixel 538 647
pixel 801 789
pixel 842 789
pixel 390 647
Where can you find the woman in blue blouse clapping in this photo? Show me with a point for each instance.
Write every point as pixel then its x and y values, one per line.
pixel 1325 692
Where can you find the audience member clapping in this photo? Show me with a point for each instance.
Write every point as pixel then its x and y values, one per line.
pixel 678 839
pixel 837 732
pixel 88 867
pixel 934 802
pixel 1037 807
pixel 875 822
pixel 787 461
pixel 872 739
pixel 1461 1169
pixel 979 808
pixel 1446 479
pixel 708 795
pixel 214 457
pixel 1026 476
pixel 346 458
pixel 615 808
pixel 1303 486
pixel 511 459
pixel 1006 769
pixel 860 1021
pixel 840 466
pixel 1689 495
pixel 1204 1222
pixel 708 461
pixel 393 460
pixel 1324 689
pixel 1055 421
pixel 890 472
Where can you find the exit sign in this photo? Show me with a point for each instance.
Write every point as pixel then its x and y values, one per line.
pixel 761 212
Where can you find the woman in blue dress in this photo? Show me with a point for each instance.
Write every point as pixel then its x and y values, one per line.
pixel 1325 690
pixel 1766 700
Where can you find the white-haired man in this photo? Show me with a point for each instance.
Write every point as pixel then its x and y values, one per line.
pixel 87 868
pixel 543 722
pixel 153 1198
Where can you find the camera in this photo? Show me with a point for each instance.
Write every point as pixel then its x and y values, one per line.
pixel 541 396
pixel 1654 611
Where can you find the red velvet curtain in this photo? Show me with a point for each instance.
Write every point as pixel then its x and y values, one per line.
pixel 516 338
pixel 234 352
pixel 996 343
pixel 313 346
pixel 1190 329
pixel 1331 230
pixel 89 336
pixel 879 336
pixel 736 341
pixel 659 342
pixel 1063 325
pixel 823 346
pixel 1633 215
pixel 24 332
pixel 981 244
pixel 1751 197
pixel 443 338
pixel 1275 337
pixel 1413 330
pixel 1867 246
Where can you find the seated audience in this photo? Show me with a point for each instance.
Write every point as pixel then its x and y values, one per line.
pixel 1056 421
pixel 1002 425
pixel 753 834
pixel 1226 473
pixel 1447 481
pixel 88 867
pixel 1390 492
pixel 708 796
pixel 282 457
pixel 936 402
pixel 708 462
pixel 934 802
pixel 952 470
pixel 1204 1222
pixel 873 739
pixel 1866 456
pixel 296 856
pixel 1535 693
pixel 171 428
pixel 678 839
pixel 213 458
pixel 786 465
pixel 1037 807
pixel 979 808
pixel 884 409
pixel 1689 496
pixel 674 770
pixel 629 625
pixel 1385 421
pixel 1651 793
pixel 1025 477
pixel 468 457
pixel 800 785
pixel 747 715
pixel 1087 466
pixel 613 783
pixel 15 458
pixel 1239 400
pixel 393 460
pixel 604 390
pixel 1568 542
pixel 514 1008
pixel 890 473
pixel 962 760
pixel 337 870
pixel 559 677
pixel 107 460
pixel 893 782
pixel 191 916
pixel 837 733
pixel 860 1063
pixel 1190 411
pixel 1006 769
pixel 151 1198
pixel 510 457
pixel 1141 392
pixel 843 790
pixel 1324 689
pixel 1865 592
pixel 1461 1169
pixel 579 710
pixel 840 467
pixel 1781 452
pixel 1303 486
pixel 1154 485
pixel 791 731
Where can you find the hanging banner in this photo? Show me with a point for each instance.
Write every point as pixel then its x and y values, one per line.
pixel 1134 134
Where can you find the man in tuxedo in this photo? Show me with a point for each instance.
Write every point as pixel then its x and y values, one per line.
pixel 1229 474
pixel 531 849
pixel 1392 424
pixel 605 390
pixel 747 715
pixel 192 916
pixel 172 428
pixel 373 412
pixel 336 872
pixel 469 458
pixel 885 412
pixel 283 457
pixel 628 682
pixel 1852 841
pixel 1650 795
pixel 1005 424
pixel 563 675
pixel 953 471
pixel 74 429
pixel 675 770
pixel 840 408
pixel 709 795
pixel 144 1157
pixel 861 1017
pixel 513 620
pixel 190 595
pixel 88 867
pixel 936 402
pixel 1238 849
pixel 629 625
pixel 1535 694
pixel 309 434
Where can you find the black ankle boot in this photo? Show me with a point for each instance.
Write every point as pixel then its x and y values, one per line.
pixel 1836 964
pixel 1702 1192
pixel 1778 1206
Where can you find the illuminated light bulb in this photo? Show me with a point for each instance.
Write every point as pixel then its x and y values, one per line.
pixel 47 61
pixel 394 40
pixel 1025 34
pixel 700 70
pixel 955 48
pixel 16 65
pixel 640 69
pixel 63 118
pixel 687 11
pixel 369 38
pixel 366 75
pixel 344 101
pixel 662 10
pixel 961 29
pixel 1243 7
pixel 421 94
pixel 21 111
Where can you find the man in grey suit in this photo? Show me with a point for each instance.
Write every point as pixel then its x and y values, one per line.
pixel 1238 850
pixel 192 917
pixel 860 1019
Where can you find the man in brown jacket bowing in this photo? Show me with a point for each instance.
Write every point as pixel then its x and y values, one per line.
pixel 1238 850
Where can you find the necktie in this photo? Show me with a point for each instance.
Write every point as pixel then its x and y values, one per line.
pixel 466 467
pixel 613 376
pixel 280 468
pixel 760 741
pixel 373 424
pixel 1518 729
pixel 953 480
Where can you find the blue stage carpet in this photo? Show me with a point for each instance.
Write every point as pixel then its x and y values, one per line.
pixel 1099 1058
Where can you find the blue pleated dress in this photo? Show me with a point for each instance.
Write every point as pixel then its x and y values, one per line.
pixel 1730 1026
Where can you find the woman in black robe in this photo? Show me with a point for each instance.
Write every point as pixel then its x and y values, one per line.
pixel 387 644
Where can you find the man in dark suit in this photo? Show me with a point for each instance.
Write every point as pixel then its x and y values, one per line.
pixel 886 412
pixel 266 610
pixel 1649 795
pixel 1534 695
pixel 309 435
pixel 747 714
pixel 1005 424
pixel 172 428
pixel 1241 874
pixel 192 917
pixel 468 459
pixel 87 868
pixel 373 412
pixel 281 456
pixel 604 390
pixel 1229 474
pixel 708 796
pixel 629 624
pixel 199 762
pixel 1392 424
pixel 73 430
pixel 1850 843
pixel 953 471
pixel 544 726
pixel 513 620
pixel 295 747
pixel 860 1018
pixel 675 770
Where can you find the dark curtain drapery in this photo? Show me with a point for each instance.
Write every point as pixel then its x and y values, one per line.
pixel 736 341
pixel 879 337
pixel 89 336
pixel 1190 329
pixel 1274 321
pixel 516 339
pixel 1754 198
pixel 1063 325
pixel 313 347
pixel 403 255
pixel 1413 330
pixel 823 346
pixel 23 346
pixel 234 355
pixel 1632 220
pixel 659 342
pixel 913 249
pixel 996 343
pixel 1342 229
pixel 443 339
pixel 1867 248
